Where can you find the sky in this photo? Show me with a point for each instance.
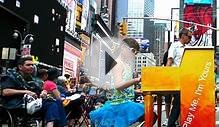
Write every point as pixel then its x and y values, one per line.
pixel 162 8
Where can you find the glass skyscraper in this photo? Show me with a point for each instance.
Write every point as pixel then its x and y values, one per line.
pixel 140 8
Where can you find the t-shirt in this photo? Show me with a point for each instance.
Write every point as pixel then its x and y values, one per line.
pixel 13 80
pixel 176 52
pixel 49 86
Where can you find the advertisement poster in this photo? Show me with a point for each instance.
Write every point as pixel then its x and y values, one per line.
pixel 202 36
pixel 198 1
pixel 71 17
pixel 71 59
pixel 85 12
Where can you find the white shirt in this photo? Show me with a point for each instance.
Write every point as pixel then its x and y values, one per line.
pixel 175 52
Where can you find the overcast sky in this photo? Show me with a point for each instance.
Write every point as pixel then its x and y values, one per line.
pixel 163 7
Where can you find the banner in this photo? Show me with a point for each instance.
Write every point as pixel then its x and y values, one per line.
pixel 70 59
pixel 202 36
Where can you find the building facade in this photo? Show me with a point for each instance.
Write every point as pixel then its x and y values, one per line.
pixel 135 26
pixel 159 42
pixel 144 60
pixel 45 21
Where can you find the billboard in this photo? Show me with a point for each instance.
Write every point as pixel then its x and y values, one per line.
pixel 78 15
pixel 202 35
pixel 191 2
pixel 71 18
pixel 85 13
pixel 71 59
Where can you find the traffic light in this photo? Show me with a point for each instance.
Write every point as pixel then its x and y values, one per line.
pixel 123 28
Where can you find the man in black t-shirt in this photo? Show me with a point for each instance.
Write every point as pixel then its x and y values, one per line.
pixel 18 82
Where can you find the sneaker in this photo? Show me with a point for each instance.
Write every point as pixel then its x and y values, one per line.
pixel 165 122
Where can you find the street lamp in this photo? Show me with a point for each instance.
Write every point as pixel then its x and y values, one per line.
pixel 24 48
pixel 159 48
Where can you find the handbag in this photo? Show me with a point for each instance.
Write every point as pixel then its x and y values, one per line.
pixel 32 104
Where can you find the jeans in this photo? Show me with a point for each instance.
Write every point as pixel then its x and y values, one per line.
pixel 54 111
pixel 174 114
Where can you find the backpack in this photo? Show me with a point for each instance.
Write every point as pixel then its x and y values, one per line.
pixel 165 58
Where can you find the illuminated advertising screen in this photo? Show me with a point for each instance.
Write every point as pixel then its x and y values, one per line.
pixel 198 2
pixel 71 17
pixel 202 36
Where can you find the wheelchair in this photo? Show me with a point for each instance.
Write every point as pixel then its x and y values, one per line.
pixel 6 119
pixel 18 118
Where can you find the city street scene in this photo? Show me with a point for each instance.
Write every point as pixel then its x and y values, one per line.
pixel 109 63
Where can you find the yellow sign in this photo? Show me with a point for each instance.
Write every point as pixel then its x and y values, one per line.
pixel 123 28
pixel 195 81
pixel 78 15
pixel 35 59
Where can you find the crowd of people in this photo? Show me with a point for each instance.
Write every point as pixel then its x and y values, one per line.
pixel 63 97
pixel 47 84
pixel 54 89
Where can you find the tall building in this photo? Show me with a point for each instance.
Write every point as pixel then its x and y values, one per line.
pixel 45 21
pixel 149 8
pixel 144 60
pixel 140 8
pixel 106 9
pixel 135 26
pixel 141 28
pixel 148 24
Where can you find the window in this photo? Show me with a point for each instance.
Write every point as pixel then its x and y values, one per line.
pixel 18 4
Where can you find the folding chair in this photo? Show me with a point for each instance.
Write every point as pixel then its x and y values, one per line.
pixel 86 108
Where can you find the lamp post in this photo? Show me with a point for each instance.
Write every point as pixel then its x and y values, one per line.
pixel 24 47
pixel 159 48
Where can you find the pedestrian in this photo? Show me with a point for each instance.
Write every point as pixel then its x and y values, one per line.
pixel 175 54
pixel 167 97
pixel 41 76
pixel 121 110
pixel 57 113
pixel 73 106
